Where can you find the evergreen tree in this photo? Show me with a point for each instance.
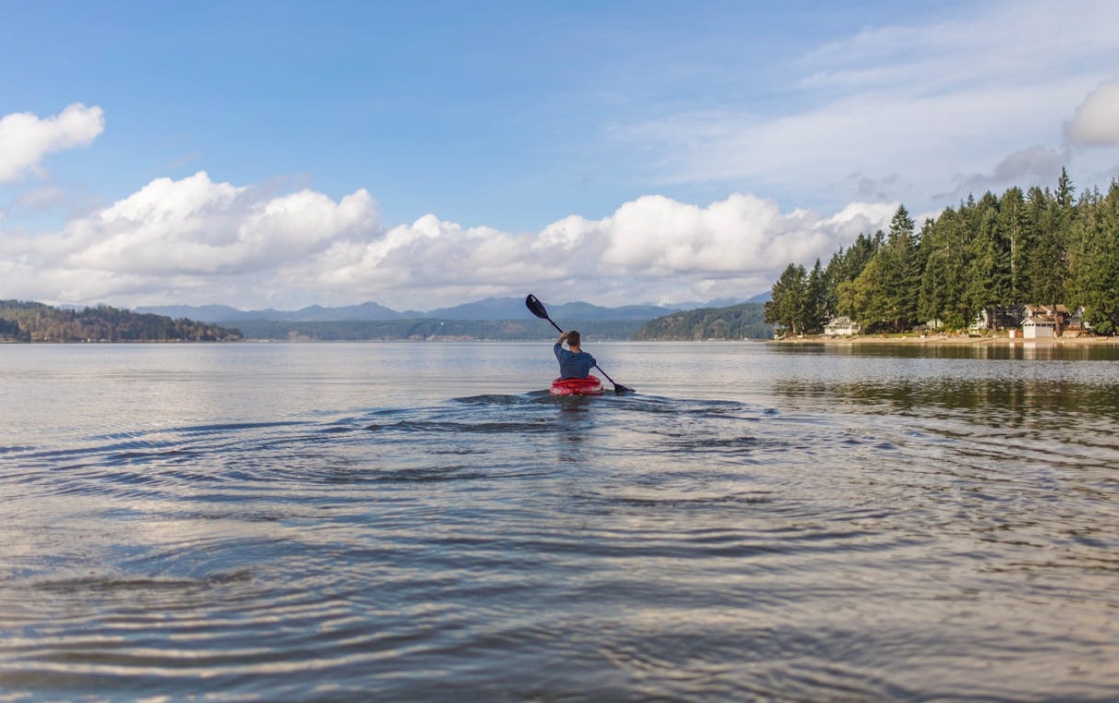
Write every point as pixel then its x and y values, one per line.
pixel 1012 223
pixel 944 279
pixel 898 274
pixel 989 281
pixel 1094 260
pixel 816 313
pixel 786 307
pixel 844 268
pixel 1065 190
pixel 1048 269
pixel 866 300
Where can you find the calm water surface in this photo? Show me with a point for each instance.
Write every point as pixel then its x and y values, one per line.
pixel 420 522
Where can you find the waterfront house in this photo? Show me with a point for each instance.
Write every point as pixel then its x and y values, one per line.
pixel 1046 321
pixel 1057 313
pixel 1039 327
pixel 841 327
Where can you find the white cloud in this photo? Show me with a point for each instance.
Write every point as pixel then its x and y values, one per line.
pixel 197 241
pixel 177 240
pixel 657 236
pixel 653 248
pixel 26 139
pixel 197 226
pixel 1096 121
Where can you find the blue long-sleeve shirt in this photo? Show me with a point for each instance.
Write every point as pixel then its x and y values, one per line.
pixel 573 365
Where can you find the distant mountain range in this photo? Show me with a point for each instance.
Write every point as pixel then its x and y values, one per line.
pixel 482 310
pixel 315 313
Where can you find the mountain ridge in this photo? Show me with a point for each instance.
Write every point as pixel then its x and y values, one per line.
pixel 507 308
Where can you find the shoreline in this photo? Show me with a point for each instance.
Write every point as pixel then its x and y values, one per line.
pixel 951 340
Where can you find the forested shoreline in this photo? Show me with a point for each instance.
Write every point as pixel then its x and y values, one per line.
pixel 37 322
pixel 743 321
pixel 1038 247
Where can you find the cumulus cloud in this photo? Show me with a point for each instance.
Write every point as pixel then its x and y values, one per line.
pixel 175 240
pixel 197 226
pixel 25 139
pixel 1096 121
pixel 653 248
pixel 198 241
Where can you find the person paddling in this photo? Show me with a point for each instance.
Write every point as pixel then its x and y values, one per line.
pixel 573 361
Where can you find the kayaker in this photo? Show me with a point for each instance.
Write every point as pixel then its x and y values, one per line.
pixel 573 361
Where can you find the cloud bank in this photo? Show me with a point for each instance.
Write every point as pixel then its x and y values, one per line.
pixel 197 241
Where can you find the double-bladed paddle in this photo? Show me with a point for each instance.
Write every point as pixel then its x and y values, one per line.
pixel 537 308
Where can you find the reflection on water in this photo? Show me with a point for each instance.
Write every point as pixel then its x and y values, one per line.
pixel 415 522
pixel 997 349
pixel 1038 403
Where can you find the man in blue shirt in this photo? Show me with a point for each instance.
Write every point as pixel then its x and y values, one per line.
pixel 575 363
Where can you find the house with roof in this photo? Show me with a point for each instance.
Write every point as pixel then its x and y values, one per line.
pixel 841 327
pixel 1058 313
pixel 1045 321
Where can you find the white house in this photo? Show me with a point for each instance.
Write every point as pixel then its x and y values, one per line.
pixel 1039 328
pixel 841 326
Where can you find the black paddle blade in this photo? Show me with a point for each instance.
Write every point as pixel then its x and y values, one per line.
pixel 536 307
pixel 619 389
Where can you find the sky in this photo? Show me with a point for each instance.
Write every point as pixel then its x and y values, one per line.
pixel 424 153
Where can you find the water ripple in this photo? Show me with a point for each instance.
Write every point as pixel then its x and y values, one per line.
pixel 892 538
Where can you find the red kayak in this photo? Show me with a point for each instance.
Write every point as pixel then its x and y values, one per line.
pixel 576 386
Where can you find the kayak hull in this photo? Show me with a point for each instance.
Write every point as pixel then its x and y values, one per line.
pixel 590 385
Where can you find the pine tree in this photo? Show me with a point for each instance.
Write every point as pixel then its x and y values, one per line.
pixel 815 301
pixel 786 307
pixel 989 279
pixel 899 274
pixel 1012 223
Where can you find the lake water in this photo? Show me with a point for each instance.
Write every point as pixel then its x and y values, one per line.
pixel 421 522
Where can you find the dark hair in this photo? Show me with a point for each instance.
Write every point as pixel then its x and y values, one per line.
pixel 572 338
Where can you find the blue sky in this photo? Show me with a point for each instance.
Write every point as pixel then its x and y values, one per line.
pixel 420 154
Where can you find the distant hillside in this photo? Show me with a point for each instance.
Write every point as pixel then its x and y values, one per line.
pixel 744 321
pixel 36 322
pixel 493 318
pixel 526 329
pixel 514 309
pixel 482 310
pixel 314 313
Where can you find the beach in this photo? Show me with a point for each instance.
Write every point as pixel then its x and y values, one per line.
pixel 951 339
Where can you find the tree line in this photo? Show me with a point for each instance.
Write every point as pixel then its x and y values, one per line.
pixel 1038 247
pixel 36 322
